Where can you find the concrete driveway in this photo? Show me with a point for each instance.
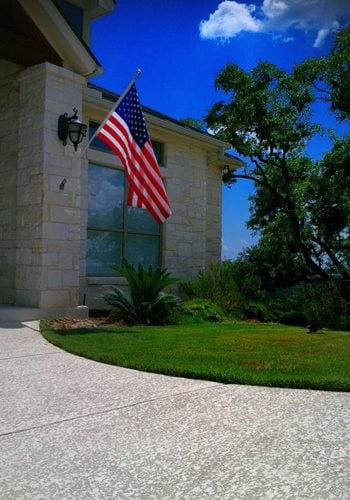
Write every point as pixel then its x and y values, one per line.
pixel 71 428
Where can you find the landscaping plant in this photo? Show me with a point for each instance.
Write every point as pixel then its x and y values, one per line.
pixel 146 303
pixel 219 285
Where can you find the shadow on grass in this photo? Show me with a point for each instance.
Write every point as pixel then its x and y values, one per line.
pixel 91 331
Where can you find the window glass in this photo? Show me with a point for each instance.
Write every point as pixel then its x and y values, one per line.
pixel 103 250
pixel 106 198
pixel 97 143
pixel 142 249
pixel 140 220
pixel 158 152
pixel 116 231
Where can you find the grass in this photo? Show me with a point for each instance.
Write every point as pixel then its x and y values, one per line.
pixel 236 352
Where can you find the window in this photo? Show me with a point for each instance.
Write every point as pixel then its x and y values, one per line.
pixel 114 230
pixel 158 148
pixel 97 143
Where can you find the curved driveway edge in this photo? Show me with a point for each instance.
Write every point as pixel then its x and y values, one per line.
pixel 72 428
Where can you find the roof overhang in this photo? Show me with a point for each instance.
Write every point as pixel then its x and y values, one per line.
pixel 225 160
pixel 21 41
pixel 219 157
pixel 75 55
pixel 101 101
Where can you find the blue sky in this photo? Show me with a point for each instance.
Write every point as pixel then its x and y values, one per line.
pixel 181 45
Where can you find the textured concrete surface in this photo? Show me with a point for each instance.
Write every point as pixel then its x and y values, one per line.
pixel 71 428
pixel 12 314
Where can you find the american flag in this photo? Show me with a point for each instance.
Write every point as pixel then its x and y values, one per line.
pixel 126 134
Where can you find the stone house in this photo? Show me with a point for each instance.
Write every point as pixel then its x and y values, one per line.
pixel 63 218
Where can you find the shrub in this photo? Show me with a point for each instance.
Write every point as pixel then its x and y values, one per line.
pixel 218 285
pixel 256 310
pixel 204 309
pixel 147 303
pixel 239 292
pixel 320 302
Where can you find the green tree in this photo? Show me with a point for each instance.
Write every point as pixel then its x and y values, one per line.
pixel 271 264
pixel 329 77
pixel 193 122
pixel 298 202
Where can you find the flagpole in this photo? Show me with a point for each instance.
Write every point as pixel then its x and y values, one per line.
pixel 115 104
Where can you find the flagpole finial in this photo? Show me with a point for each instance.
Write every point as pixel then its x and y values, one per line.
pixel 138 73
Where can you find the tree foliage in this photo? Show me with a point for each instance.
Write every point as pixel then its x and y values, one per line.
pixel 300 207
pixel 329 77
pixel 193 122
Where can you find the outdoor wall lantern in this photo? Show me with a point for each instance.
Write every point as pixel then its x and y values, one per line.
pixel 71 126
pixel 226 170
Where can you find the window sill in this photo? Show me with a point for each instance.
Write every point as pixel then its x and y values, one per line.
pixel 107 280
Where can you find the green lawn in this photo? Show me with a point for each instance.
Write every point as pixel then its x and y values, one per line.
pixel 243 353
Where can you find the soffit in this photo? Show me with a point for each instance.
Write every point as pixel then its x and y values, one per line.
pixel 21 41
pixel 34 31
pixel 72 49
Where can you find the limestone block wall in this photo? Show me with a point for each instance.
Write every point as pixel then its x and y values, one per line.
pixel 83 203
pixel 191 237
pixel 48 217
pixel 9 104
pixel 214 213
pixel 194 229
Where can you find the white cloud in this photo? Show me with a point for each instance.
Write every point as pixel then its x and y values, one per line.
pixel 106 197
pixel 277 16
pixel 229 19
pixel 215 131
pixel 231 252
pixel 228 252
pixel 321 36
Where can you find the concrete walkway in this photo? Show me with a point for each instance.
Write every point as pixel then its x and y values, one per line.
pixel 71 428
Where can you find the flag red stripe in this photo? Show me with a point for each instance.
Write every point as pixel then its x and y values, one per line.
pixel 133 153
pixel 130 153
pixel 148 198
pixel 116 124
pixel 145 197
pixel 125 132
pixel 135 185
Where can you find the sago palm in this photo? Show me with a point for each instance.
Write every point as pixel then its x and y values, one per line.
pixel 146 302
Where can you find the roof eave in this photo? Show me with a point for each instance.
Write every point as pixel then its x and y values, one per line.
pixel 225 159
pixel 75 55
pixel 99 98
pixel 181 129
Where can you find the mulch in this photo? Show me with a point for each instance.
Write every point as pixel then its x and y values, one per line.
pixel 71 323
